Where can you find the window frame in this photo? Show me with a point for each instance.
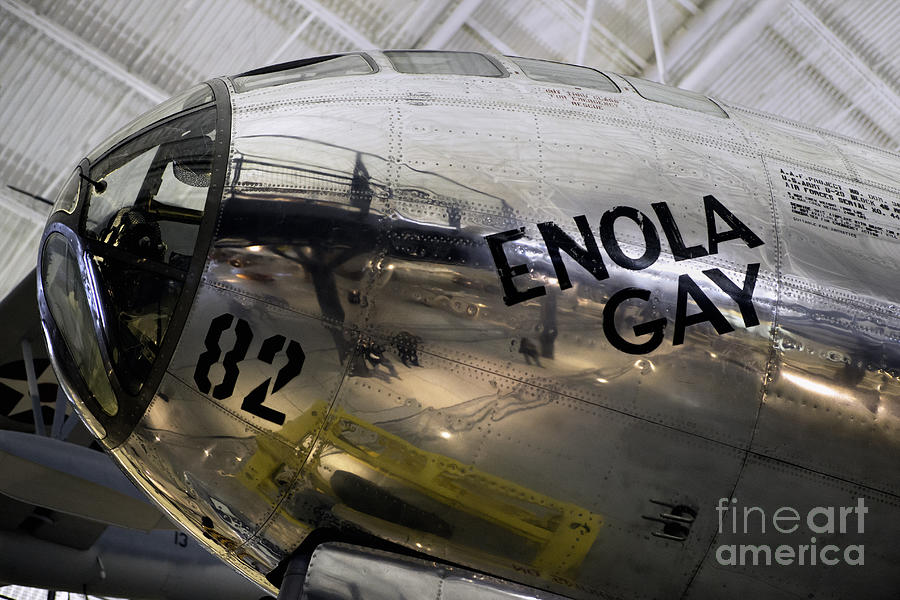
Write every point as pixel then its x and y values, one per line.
pixel 296 64
pixel 503 72
pixel 723 114
pixel 515 60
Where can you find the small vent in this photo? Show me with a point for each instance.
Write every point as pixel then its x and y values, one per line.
pixel 676 521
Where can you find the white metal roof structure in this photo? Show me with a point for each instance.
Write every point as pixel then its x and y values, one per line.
pixel 72 71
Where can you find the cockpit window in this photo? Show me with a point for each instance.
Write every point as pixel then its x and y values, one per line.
pixel 658 92
pixel 149 194
pixel 444 63
pixel 561 73
pixel 305 70
pixel 144 207
pixel 195 96
pixel 67 301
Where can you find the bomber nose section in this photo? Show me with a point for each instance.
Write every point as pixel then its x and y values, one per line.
pixel 122 253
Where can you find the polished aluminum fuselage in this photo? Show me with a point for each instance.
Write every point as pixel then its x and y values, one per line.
pixel 514 437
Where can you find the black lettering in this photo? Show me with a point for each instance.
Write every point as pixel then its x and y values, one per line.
pixel 738 230
pixel 296 358
pixel 588 257
pixel 253 402
pixel 506 272
pixel 212 353
pixel 611 244
pixel 708 311
pixel 655 328
pixel 673 234
pixel 243 336
pixel 742 296
pixel 210 356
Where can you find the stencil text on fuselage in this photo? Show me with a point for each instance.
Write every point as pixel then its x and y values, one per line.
pixel 587 254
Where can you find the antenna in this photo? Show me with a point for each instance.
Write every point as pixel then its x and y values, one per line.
pixel 30 195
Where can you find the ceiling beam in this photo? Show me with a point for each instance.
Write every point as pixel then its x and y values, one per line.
pixel 730 46
pixel 82 49
pixel 888 116
pixel 658 51
pixel 489 37
pixel 405 29
pixel 688 42
pixel 585 31
pixel 451 24
pixel 290 39
pixel 609 37
pixel 338 24
pixel 689 6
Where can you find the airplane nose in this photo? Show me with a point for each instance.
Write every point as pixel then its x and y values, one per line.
pixel 118 253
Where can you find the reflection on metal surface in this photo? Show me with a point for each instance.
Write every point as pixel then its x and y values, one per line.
pixel 344 571
pixel 536 332
pixel 561 533
pixel 815 387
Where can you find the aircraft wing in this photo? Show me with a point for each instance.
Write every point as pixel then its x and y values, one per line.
pixel 74 480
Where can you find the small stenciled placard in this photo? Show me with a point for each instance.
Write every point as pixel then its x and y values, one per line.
pixel 845 209
pixel 837 233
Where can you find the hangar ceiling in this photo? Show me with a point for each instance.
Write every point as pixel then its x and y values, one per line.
pixel 71 71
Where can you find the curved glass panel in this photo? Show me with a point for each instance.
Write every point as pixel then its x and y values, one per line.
pixel 138 305
pixel 142 219
pixel 561 73
pixel 152 191
pixel 67 199
pixel 319 68
pixel 67 301
pixel 666 94
pixel 437 62
pixel 195 96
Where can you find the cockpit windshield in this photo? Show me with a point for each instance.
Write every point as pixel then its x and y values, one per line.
pixel 65 294
pixel 159 180
pixel 145 202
